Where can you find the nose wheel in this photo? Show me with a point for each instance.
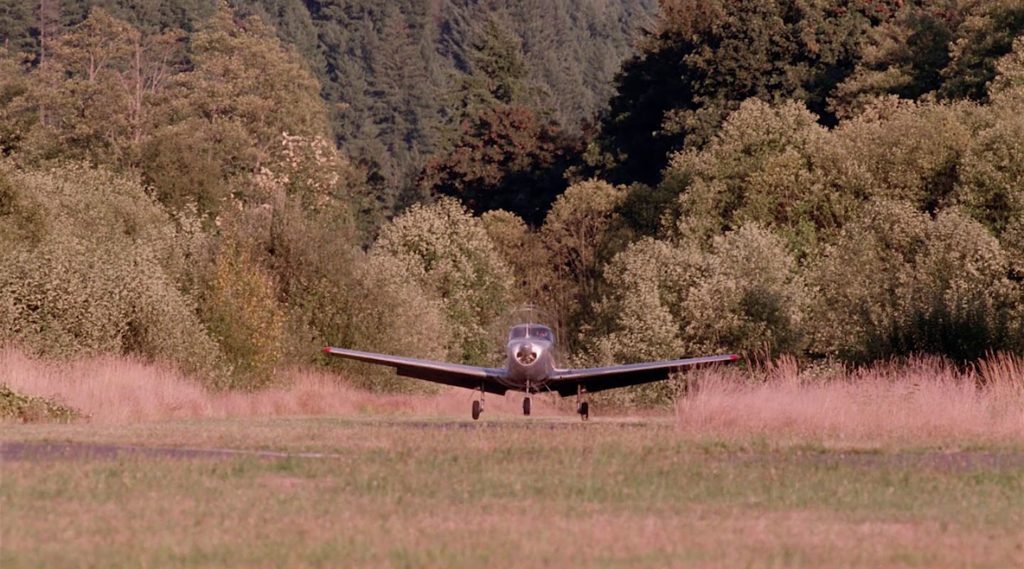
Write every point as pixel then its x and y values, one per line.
pixel 526 405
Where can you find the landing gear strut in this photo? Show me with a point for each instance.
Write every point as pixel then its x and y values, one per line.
pixel 526 400
pixel 582 405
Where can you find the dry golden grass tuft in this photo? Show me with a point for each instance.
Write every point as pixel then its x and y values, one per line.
pixel 926 401
pixel 119 390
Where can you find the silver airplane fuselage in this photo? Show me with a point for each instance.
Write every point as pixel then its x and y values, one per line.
pixel 531 358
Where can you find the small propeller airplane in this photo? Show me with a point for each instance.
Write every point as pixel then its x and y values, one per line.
pixel 530 368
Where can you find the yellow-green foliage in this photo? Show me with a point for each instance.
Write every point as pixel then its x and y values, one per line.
pixel 447 251
pixel 85 268
pixel 991 185
pixel 240 308
pixel 900 281
pixel 668 300
pixel 900 150
pixel 761 169
pixel 390 312
pixel 29 409
pixel 580 234
pixel 748 294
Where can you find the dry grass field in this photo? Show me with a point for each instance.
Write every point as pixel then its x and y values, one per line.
pixel 903 468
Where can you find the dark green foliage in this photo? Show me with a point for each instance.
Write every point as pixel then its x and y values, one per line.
pixel 986 34
pixel 705 58
pixel 31 409
pixel 505 159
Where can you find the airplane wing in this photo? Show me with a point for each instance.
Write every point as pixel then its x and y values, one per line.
pixel 459 375
pixel 593 379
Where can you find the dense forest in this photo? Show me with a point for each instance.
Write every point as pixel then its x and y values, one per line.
pixel 229 185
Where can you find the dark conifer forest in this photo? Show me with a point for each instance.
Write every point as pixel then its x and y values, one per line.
pixel 228 185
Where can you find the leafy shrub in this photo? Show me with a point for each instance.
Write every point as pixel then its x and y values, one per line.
pixel 29 409
pixel 240 309
pixel 760 169
pixel 390 312
pixel 749 294
pixel 900 282
pixel 669 300
pixel 87 270
pixel 901 150
pixel 447 251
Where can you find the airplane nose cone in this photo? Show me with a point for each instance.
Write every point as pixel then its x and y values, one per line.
pixel 526 354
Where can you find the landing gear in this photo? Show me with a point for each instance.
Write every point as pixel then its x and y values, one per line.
pixel 583 409
pixel 582 406
pixel 526 405
pixel 478 405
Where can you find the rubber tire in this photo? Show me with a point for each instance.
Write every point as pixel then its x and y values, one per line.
pixel 526 406
pixel 476 410
pixel 584 410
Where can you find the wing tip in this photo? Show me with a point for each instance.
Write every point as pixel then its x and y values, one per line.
pixel 327 349
pixel 734 357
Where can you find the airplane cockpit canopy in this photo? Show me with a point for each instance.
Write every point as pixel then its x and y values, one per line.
pixel 531 331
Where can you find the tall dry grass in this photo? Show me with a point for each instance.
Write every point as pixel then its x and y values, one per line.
pixel 924 401
pixel 118 390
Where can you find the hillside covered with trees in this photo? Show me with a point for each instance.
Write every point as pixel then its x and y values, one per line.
pixel 228 186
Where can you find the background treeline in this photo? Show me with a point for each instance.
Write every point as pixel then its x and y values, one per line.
pixel 398 78
pixel 231 186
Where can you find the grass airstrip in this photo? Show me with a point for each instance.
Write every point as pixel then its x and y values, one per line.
pixel 399 484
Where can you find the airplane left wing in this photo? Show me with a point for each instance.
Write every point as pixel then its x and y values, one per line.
pixel 459 375
pixel 565 382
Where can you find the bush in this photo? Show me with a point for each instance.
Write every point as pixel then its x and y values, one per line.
pixel 29 409
pixel 85 270
pixel 240 308
pixel 448 253
pixel 900 282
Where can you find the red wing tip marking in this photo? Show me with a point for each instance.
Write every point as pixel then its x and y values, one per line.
pixel 327 349
pixel 734 357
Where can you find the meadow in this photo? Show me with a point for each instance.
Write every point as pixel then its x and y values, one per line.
pixel 875 473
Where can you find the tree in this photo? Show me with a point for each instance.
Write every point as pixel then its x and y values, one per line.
pixel 81 93
pixel 898 282
pixel 16 114
pixel 760 168
pixel 505 159
pixel 228 113
pixel 447 251
pixel 986 34
pixel 904 56
pixel 90 266
pixel 580 233
pixel 704 58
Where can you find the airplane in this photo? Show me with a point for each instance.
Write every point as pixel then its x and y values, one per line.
pixel 530 368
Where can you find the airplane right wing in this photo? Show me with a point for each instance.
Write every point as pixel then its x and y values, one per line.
pixel 459 375
pixel 566 382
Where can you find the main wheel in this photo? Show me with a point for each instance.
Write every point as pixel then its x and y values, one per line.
pixel 584 410
pixel 526 406
pixel 476 410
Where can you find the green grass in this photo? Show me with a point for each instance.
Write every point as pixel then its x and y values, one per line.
pixel 505 494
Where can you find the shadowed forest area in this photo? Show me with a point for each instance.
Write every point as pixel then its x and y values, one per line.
pixel 229 186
